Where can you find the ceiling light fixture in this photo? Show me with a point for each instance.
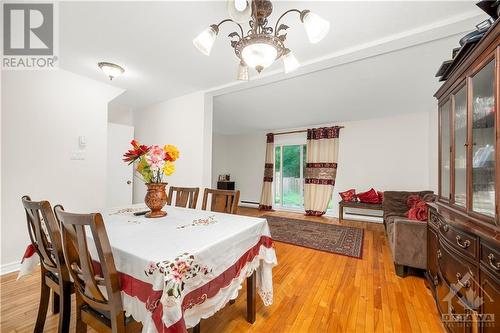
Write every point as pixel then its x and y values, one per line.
pixel 111 70
pixel 263 45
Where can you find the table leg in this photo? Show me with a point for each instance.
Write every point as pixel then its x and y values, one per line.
pixel 251 298
pixel 196 329
pixel 341 213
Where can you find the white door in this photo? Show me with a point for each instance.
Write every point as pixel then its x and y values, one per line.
pixel 120 176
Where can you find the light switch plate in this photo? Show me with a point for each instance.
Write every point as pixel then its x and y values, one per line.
pixel 78 155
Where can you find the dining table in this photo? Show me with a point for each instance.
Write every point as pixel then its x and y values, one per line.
pixel 185 266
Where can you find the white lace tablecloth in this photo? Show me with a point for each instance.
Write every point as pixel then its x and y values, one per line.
pixel 186 266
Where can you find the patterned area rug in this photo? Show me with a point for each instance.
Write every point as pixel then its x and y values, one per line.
pixel 338 239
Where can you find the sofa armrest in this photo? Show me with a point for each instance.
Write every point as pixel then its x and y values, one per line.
pixel 410 243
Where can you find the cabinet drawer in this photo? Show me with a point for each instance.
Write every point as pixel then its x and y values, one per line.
pixel 450 307
pixel 490 308
pixel 456 270
pixel 490 258
pixel 434 220
pixel 464 243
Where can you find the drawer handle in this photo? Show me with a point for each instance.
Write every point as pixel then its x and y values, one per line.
pixel 465 284
pixel 465 244
pixel 439 254
pixel 493 262
pixel 446 228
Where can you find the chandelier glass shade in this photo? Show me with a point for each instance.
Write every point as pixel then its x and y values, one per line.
pixel 263 44
pixel 290 63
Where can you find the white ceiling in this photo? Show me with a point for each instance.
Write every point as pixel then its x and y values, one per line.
pixel 153 41
pixel 394 83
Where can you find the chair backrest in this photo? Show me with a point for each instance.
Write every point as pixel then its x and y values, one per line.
pixel 87 274
pixel 184 196
pixel 44 232
pixel 222 201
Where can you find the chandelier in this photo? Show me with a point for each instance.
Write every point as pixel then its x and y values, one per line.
pixel 263 44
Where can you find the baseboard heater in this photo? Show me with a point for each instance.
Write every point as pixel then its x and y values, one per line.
pixel 249 202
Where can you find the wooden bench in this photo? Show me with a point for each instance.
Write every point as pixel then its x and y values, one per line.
pixel 358 205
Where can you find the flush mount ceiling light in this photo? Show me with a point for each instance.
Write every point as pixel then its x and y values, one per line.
pixel 262 45
pixel 111 70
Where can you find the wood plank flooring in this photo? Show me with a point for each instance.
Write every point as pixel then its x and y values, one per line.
pixel 314 291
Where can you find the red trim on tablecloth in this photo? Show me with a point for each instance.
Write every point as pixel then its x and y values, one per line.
pixel 30 251
pixel 145 293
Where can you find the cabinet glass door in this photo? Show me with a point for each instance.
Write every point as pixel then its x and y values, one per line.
pixel 444 113
pixel 483 141
pixel 460 118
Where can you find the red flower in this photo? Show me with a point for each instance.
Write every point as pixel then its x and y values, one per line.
pixel 133 154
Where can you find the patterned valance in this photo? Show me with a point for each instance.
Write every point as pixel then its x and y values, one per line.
pixel 270 137
pixel 323 133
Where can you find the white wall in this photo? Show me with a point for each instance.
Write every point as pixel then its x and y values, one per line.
pixel 43 113
pixel 241 156
pixel 119 114
pixel 185 122
pixel 393 153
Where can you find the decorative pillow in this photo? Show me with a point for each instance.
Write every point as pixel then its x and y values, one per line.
pixel 418 208
pixel 349 195
pixel 370 196
pixel 380 196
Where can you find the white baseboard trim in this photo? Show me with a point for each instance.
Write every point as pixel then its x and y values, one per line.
pixel 9 268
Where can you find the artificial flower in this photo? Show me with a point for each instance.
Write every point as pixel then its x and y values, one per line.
pixel 134 154
pixel 155 158
pixel 172 153
pixel 168 168
pixel 144 171
pixel 152 162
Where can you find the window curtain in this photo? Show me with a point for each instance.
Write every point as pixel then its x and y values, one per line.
pixel 266 198
pixel 321 168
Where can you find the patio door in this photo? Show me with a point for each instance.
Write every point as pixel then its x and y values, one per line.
pixel 289 167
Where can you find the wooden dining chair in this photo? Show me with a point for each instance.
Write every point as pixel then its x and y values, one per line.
pixel 98 294
pixel 184 196
pixel 44 233
pixel 222 201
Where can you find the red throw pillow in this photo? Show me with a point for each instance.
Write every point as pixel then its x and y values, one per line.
pixel 349 195
pixel 380 196
pixel 370 196
pixel 418 208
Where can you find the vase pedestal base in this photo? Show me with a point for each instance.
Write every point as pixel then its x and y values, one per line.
pixel 159 213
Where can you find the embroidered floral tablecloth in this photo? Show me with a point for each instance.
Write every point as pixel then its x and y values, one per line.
pixel 186 266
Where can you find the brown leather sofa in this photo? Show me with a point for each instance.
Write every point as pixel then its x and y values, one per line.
pixel 407 238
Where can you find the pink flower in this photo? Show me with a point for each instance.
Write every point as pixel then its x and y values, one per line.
pixel 155 158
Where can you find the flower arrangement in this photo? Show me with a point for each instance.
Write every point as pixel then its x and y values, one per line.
pixel 152 162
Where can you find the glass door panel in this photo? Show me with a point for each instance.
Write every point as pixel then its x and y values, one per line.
pixel 444 113
pixel 460 117
pixel 292 176
pixel 289 169
pixel 483 141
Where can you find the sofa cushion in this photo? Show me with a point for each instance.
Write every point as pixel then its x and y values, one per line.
pixel 395 202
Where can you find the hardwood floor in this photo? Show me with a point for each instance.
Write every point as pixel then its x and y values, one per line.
pixel 314 291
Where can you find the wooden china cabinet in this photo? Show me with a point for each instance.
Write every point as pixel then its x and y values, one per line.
pixel 463 238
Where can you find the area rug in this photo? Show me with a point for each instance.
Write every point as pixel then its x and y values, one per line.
pixel 333 238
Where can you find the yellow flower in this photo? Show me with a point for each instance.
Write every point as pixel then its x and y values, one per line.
pixel 172 152
pixel 168 168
